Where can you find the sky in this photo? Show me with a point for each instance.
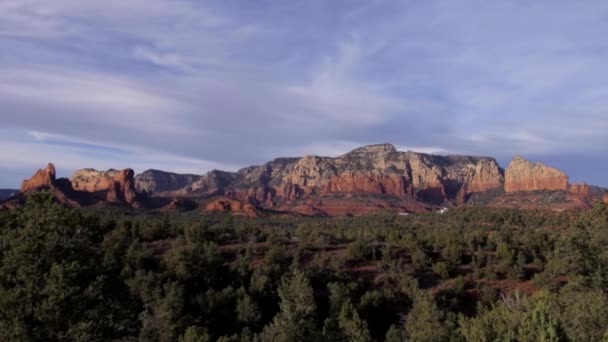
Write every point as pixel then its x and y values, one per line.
pixel 190 86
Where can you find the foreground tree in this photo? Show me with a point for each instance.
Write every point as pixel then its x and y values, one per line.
pixel 296 319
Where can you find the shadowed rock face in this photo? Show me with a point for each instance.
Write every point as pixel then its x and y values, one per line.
pixel 122 188
pixel 523 175
pixel 155 181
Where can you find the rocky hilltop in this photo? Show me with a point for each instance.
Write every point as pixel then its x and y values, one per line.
pixel 156 181
pixel 523 175
pixel 364 180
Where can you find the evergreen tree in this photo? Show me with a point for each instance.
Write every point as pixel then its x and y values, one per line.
pixel 296 319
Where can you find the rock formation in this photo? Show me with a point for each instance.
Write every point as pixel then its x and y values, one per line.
pixel 364 180
pixel 118 186
pixel 156 181
pixel 376 170
pixel 233 206
pixel 582 190
pixel 122 188
pixel 605 198
pixel 86 187
pixel 45 180
pixel 523 175
pixel 42 179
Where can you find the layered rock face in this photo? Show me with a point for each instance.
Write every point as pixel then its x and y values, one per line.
pixel 369 170
pixel 155 181
pixel 523 175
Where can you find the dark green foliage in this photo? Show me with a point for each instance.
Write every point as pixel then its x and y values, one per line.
pixel 108 274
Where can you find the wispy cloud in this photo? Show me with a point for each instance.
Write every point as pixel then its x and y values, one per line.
pixel 204 84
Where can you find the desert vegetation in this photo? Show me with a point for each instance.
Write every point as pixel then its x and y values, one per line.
pixel 471 274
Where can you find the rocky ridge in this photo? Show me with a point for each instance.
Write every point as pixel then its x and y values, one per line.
pixel 377 170
pixel 367 179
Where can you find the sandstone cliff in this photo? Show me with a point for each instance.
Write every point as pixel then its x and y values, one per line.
pixel 523 175
pixel 378 170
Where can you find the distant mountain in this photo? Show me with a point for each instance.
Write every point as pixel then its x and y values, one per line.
pixel 7 193
pixel 367 179
pixel 154 181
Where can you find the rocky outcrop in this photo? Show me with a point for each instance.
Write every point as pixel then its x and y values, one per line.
pixel 42 179
pixel 122 188
pixel 46 180
pixel 605 198
pixel 227 205
pixel 582 190
pixel 156 181
pixel 523 175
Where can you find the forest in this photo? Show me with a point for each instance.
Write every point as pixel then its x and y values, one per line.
pixel 470 274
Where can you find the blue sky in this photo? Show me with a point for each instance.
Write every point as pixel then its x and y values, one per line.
pixel 188 86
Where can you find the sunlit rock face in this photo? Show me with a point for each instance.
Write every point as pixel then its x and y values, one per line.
pixel 373 170
pixel 43 178
pixel 523 175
